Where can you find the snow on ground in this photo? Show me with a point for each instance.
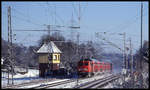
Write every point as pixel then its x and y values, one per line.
pixel 45 83
pixel 67 85
pixel 110 85
pixel 73 84
pixel 127 79
pixel 34 75
pixel 31 73
pixel 19 78
pixel 23 78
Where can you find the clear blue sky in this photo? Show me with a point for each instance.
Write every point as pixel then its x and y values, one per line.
pixel 111 17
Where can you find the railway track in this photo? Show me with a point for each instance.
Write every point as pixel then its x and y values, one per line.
pixel 50 83
pixel 99 82
pixel 34 82
pixel 54 84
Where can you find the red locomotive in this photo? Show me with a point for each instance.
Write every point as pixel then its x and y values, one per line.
pixel 89 67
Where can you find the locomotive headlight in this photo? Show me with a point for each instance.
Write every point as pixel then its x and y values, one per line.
pixel 80 69
pixel 83 69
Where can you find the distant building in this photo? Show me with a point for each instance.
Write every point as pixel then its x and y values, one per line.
pixel 49 58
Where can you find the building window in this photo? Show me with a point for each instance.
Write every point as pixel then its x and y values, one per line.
pixel 55 57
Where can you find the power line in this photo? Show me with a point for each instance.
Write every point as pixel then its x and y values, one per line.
pixel 55 13
pixel 26 20
pixel 81 15
pixel 25 16
pixel 76 12
pixel 34 30
pixel 127 24
pixel 18 18
pixel 109 42
pixel 43 4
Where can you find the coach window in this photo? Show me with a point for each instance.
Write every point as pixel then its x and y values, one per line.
pixel 91 63
pixel 101 69
pixel 80 64
pixel 86 63
pixel 95 63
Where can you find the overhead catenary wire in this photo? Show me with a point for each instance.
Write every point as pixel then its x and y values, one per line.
pixel 83 10
pixel 31 21
pixel 26 20
pixel 35 23
pixel 34 30
pixel 52 5
pixel 26 16
pixel 120 39
pixel 54 13
pixel 76 12
pixel 110 42
pixel 116 33
pixel 110 33
pixel 127 24
pixel 23 19
pixel 43 4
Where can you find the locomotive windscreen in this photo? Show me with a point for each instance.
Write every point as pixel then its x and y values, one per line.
pixel 89 59
pixel 82 63
pixel 85 60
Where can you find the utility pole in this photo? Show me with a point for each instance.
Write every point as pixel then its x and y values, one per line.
pixel 131 64
pixel 124 56
pixel 124 51
pixel 79 13
pixel 48 27
pixel 141 62
pixel 73 27
pixel 141 35
pixel 77 44
pixel 124 46
pixel 131 57
pixel 8 42
pixel 127 59
pixel 10 59
pixel 72 30
pixel 48 31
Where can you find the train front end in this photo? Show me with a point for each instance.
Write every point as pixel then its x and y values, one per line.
pixel 84 68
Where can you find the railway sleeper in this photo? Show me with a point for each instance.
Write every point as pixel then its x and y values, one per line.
pixel 93 83
pixel 100 85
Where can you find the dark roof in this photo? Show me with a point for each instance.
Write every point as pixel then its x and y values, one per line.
pixel 89 59
pixel 95 60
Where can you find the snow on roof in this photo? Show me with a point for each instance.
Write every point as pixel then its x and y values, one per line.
pixel 91 59
pixel 2 60
pixel 49 48
pixel 94 60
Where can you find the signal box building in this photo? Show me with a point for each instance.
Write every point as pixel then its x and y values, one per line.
pixel 48 58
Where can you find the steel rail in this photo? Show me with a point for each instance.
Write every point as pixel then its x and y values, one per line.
pixel 26 84
pixel 53 84
pixel 57 83
pixel 98 82
pixel 105 82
